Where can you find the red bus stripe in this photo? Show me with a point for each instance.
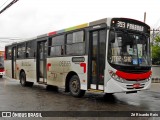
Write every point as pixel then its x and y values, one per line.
pixel 133 76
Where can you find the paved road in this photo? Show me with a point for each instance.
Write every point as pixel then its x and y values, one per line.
pixel 13 97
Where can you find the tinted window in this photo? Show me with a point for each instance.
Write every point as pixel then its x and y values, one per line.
pixel 8 53
pixel 58 40
pixel 69 38
pixel 56 46
pixel 75 43
pixel 21 50
pixel 1 61
pixel 30 49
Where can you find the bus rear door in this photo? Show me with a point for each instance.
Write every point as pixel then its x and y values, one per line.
pixel 41 61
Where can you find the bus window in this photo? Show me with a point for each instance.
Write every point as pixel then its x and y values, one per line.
pixel 21 51
pixel 8 53
pixel 56 46
pixel 30 49
pixel 75 43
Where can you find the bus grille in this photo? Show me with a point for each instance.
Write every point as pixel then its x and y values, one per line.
pixel 130 87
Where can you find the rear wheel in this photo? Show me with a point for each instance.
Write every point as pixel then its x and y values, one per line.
pixel 23 79
pixel 74 87
pixel 1 76
pixel 24 82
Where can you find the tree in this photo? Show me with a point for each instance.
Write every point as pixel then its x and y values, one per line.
pixel 156 51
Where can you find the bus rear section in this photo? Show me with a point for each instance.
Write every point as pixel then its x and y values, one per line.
pixel 2 72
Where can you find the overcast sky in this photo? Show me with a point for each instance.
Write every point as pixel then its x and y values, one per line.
pixel 29 18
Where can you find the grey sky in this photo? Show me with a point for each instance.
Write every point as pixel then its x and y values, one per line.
pixel 29 18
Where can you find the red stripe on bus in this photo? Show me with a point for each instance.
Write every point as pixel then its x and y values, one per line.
pixel 133 76
pixel 84 67
pixel 51 33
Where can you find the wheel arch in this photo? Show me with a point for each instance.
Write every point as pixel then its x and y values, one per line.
pixel 68 77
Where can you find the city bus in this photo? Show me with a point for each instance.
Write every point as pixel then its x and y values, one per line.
pixel 110 55
pixel 2 72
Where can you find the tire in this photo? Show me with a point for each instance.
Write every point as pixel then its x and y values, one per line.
pixel 1 76
pixel 23 79
pixel 74 87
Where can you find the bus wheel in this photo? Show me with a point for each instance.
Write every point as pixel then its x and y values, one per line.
pixel 74 87
pixel 23 79
pixel 1 76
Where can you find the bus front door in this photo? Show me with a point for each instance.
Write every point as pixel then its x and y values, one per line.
pixel 41 61
pixel 97 51
pixel 14 62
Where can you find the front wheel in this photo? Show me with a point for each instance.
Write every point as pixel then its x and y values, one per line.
pixel 74 87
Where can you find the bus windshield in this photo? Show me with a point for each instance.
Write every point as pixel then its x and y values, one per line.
pixel 1 61
pixel 128 48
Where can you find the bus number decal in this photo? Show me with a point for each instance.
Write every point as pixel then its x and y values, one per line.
pixel 54 75
pixel 121 24
pixel 78 59
pixel 25 63
pixel 64 63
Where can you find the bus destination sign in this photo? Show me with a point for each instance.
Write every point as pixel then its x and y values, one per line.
pixel 130 26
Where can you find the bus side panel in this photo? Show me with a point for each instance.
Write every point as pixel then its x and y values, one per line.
pixel 29 67
pixel 79 66
pixel 8 68
pixel 55 71
pixel 59 67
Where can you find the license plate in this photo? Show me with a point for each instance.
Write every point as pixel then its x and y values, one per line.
pixel 137 85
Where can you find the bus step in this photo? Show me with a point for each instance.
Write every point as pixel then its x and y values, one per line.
pixel 42 82
pixel 93 90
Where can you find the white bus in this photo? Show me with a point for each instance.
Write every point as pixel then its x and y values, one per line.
pixel 109 55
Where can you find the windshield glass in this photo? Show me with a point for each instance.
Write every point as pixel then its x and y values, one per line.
pixel 128 49
pixel 1 61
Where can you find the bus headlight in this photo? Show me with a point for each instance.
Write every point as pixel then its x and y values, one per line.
pixel 149 78
pixel 115 76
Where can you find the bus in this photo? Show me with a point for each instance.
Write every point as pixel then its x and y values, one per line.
pixel 1 64
pixel 109 55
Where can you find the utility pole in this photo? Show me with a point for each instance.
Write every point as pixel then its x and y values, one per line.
pixel 144 17
pixel 9 5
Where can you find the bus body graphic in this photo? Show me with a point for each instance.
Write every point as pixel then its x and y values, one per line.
pixel 108 55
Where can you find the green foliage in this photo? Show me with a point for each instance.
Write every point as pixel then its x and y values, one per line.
pixel 156 51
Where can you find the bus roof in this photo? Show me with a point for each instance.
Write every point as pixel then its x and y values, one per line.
pixel 96 22
pixel 79 26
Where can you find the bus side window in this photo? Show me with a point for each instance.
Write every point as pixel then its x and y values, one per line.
pixel 8 53
pixel 56 46
pixel 30 49
pixel 75 43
